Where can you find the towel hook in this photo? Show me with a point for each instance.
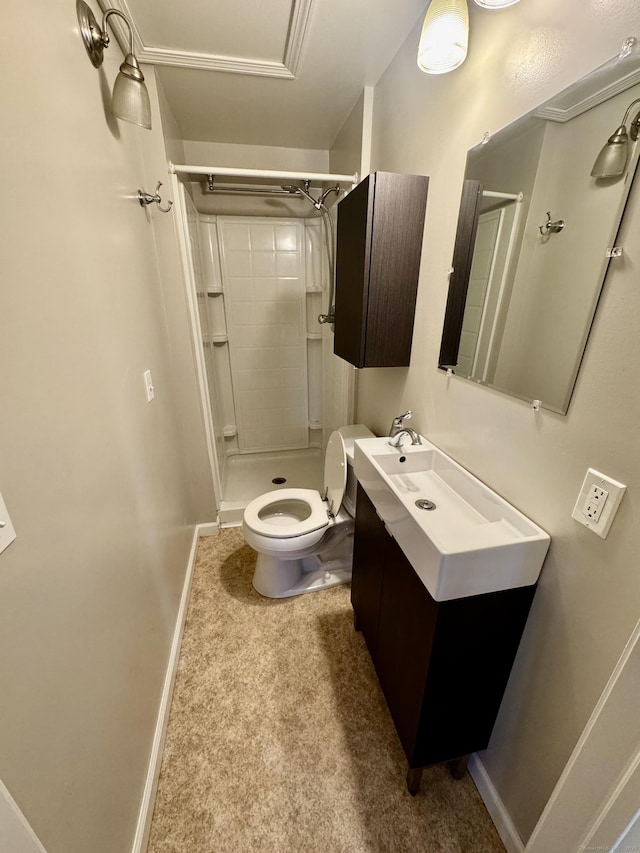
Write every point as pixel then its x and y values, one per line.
pixel 146 198
pixel 550 227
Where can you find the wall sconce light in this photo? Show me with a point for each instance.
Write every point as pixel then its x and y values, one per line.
pixel 445 36
pixel 445 33
pixel 612 160
pixel 130 99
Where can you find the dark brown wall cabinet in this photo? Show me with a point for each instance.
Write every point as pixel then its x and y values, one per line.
pixel 443 666
pixel 380 227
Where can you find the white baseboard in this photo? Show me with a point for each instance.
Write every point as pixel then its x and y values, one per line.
pixel 496 808
pixel 145 815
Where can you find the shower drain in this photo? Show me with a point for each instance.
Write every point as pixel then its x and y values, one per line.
pixel 278 481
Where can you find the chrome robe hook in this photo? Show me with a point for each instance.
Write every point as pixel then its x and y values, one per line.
pixel 550 227
pixel 146 198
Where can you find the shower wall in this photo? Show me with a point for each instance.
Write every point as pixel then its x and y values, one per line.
pixel 277 385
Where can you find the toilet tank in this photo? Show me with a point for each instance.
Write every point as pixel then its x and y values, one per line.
pixel 349 435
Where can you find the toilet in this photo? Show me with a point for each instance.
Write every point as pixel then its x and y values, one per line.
pixel 304 539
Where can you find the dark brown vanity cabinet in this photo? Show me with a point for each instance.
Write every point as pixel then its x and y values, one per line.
pixel 380 227
pixel 443 666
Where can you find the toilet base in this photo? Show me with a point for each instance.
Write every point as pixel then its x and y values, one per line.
pixel 276 578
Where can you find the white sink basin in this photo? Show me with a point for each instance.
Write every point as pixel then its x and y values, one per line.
pixel 472 542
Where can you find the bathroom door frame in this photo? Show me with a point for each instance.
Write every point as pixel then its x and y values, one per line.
pixel 595 804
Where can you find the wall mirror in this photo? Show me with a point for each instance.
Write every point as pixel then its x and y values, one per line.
pixel 536 232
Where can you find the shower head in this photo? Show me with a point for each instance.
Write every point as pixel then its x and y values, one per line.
pixel 318 203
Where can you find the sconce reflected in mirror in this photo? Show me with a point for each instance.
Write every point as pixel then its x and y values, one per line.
pixel 612 160
pixel 130 99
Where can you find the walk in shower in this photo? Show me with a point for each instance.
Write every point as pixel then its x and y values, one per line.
pixel 260 256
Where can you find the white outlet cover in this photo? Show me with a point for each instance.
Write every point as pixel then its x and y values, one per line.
pixel 7 532
pixel 615 491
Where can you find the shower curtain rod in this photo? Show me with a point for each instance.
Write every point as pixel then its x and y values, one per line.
pixel 506 196
pixel 227 171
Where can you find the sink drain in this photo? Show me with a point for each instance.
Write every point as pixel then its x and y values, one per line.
pixel 423 503
pixel 278 481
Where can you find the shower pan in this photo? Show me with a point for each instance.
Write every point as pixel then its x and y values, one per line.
pixel 261 266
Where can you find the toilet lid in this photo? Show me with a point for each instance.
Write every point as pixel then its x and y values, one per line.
pixel 335 471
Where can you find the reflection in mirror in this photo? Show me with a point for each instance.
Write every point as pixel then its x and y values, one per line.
pixel 534 239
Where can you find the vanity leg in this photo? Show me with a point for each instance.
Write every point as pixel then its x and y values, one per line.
pixel 458 766
pixel 356 624
pixel 414 777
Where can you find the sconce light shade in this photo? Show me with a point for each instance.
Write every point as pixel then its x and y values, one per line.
pixel 445 36
pixel 130 100
pixel 496 4
pixel 612 160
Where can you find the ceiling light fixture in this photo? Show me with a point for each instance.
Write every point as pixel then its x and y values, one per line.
pixel 445 36
pixel 445 33
pixel 130 99
pixel 612 160
pixel 495 4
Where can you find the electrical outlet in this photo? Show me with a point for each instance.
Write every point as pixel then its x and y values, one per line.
pixel 598 502
pixel 594 504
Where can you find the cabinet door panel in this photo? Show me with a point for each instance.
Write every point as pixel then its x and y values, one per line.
pixel 398 224
pixel 366 581
pixel 408 617
pixel 471 660
pixel 353 249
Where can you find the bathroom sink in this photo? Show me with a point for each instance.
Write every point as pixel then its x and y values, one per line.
pixel 460 536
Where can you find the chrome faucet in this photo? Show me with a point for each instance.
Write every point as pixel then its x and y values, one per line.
pixel 398 423
pixel 396 441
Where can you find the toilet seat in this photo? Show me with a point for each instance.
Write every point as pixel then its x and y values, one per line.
pixel 290 513
pixel 274 513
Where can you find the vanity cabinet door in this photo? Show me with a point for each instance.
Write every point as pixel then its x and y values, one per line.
pixel 379 243
pixel 366 581
pixel 406 629
pixel 443 665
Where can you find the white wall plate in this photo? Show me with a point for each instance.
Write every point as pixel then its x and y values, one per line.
pixel 598 502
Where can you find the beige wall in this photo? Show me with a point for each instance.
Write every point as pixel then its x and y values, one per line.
pixel 93 476
pixel 255 157
pixel 589 594
pixel 346 152
pixel 186 393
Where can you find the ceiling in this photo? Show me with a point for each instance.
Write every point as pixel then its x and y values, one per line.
pixel 274 72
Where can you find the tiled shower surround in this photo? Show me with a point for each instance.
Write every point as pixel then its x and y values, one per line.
pixel 278 386
pixel 263 273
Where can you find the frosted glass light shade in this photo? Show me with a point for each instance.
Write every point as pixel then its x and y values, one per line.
pixel 130 99
pixel 496 4
pixel 612 160
pixel 445 36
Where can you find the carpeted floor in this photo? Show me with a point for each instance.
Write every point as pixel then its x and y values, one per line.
pixel 279 738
